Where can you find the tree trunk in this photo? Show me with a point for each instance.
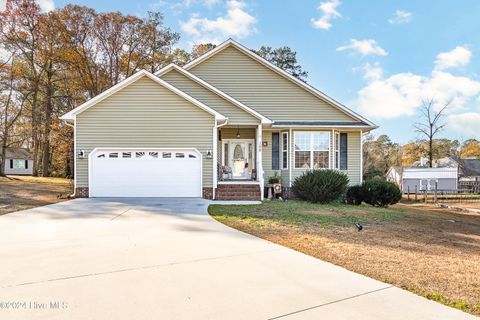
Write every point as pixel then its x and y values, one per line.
pixel 47 123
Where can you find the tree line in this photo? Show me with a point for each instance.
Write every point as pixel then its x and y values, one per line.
pixel 52 62
pixel 379 154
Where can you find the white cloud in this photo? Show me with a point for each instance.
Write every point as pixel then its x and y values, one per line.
pixel 466 123
pixel 401 94
pixel 364 47
pixel 329 12
pixel 458 57
pixel 236 23
pixel 401 16
pixel 46 5
pixel 372 72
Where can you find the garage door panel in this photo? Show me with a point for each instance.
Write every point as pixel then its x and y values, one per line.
pixel 141 175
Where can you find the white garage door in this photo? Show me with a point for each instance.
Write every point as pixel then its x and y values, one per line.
pixel 145 173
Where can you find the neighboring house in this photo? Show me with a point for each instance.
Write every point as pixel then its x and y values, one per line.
pixel 394 174
pixel 18 161
pixel 217 128
pixel 421 179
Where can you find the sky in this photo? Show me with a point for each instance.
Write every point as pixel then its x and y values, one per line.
pixel 380 58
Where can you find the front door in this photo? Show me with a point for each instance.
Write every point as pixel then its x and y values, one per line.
pixel 238 159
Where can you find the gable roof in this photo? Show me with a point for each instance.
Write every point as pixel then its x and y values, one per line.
pixel 213 89
pixel 122 84
pixel 17 153
pixel 283 73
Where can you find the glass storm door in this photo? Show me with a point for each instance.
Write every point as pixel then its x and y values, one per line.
pixel 238 159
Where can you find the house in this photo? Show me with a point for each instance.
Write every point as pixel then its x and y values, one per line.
pixel 18 161
pixel 218 128
pixel 422 179
pixel 394 174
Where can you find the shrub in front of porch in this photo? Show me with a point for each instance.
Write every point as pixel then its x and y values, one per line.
pixel 320 186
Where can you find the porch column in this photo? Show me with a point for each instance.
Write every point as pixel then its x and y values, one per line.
pixel 259 159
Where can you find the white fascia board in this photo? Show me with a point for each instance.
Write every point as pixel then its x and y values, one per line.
pixel 283 73
pixel 72 114
pixel 203 83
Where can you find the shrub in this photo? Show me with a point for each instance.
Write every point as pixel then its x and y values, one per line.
pixel 354 195
pixel 320 186
pixel 380 193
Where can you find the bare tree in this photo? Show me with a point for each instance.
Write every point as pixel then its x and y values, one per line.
pixel 430 124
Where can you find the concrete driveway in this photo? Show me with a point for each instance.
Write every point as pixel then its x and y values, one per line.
pixel 167 259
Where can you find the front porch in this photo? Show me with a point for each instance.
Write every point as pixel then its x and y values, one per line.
pixel 239 167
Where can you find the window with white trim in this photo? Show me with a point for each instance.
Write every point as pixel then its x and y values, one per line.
pixel 312 150
pixel 18 164
pixel 284 150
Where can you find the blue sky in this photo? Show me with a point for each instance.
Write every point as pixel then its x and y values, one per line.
pixel 380 58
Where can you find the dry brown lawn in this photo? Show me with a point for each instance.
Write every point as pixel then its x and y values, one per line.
pixel 25 192
pixel 431 251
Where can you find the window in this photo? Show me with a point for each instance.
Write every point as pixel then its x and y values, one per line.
pixel 139 154
pixel 337 150
pixel 101 155
pixel 18 164
pixel 312 150
pixel 166 155
pixel 153 154
pixel 285 150
pixel 126 154
pixel 192 156
pixel 113 155
pixel 179 155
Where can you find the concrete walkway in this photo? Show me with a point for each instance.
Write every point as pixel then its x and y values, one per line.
pixel 167 259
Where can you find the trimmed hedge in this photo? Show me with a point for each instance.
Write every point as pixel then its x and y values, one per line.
pixel 380 193
pixel 354 195
pixel 320 186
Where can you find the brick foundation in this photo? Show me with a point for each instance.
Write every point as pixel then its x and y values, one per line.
pixel 81 192
pixel 238 192
pixel 207 193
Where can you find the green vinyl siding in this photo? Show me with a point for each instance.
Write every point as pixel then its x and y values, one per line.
pixel 264 90
pixel 235 114
pixel 144 114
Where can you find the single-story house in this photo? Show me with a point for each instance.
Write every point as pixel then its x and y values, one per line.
pixel 422 179
pixel 18 161
pixel 217 127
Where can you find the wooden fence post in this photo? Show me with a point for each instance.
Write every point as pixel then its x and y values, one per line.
pixel 425 196
pixel 408 193
pixel 416 193
pixel 435 194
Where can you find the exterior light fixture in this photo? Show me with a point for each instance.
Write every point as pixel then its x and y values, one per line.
pixel 238 132
pixel 81 154
pixel 209 154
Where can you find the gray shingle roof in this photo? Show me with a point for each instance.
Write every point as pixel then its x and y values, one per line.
pixel 17 153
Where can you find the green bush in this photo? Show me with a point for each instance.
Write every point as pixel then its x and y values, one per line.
pixel 354 195
pixel 320 186
pixel 380 193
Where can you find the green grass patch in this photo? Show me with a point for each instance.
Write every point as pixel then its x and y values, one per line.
pixel 300 213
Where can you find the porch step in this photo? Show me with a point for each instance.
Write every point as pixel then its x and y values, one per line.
pixel 238 192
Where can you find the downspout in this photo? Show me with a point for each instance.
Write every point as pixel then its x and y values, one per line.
pixel 215 155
